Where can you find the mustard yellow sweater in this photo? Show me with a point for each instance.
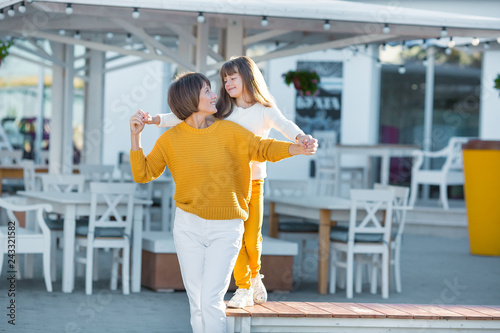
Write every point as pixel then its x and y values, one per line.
pixel 210 166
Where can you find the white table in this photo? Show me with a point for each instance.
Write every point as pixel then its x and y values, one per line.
pixel 317 208
pixel 78 204
pixel 384 151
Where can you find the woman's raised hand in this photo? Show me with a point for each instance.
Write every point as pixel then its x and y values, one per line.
pixel 136 123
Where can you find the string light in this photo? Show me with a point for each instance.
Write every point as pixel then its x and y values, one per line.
pixel 486 45
pixel 69 9
pixel 386 29
pixel 136 14
pixel 498 40
pixel 402 69
pixel 264 22
pixel 327 25
pixel 451 43
pixel 77 35
pixel 109 35
pixel 62 32
pixel 11 12
pixel 200 18
pixel 129 38
pixel 475 41
pixel 22 7
pixel 444 32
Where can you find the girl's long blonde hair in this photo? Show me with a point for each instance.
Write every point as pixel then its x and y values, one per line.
pixel 254 85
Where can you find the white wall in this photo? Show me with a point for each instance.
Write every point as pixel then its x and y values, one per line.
pixel 489 115
pixel 127 90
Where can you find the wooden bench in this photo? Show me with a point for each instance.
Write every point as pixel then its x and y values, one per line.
pixel 362 317
pixel 161 271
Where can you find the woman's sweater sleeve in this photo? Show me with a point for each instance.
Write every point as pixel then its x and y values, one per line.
pixel 278 121
pixel 168 120
pixel 271 150
pixel 148 168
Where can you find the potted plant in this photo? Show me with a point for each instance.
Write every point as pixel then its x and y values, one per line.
pixel 4 49
pixel 306 82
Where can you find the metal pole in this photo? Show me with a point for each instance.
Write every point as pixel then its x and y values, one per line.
pixel 428 111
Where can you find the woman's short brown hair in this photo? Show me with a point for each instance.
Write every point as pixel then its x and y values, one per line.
pixel 184 94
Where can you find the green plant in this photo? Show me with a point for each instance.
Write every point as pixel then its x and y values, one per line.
pixel 4 48
pixel 306 82
pixel 497 82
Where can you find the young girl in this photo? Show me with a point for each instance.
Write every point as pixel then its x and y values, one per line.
pixel 210 163
pixel 246 100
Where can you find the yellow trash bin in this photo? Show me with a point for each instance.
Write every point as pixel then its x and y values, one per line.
pixel 482 195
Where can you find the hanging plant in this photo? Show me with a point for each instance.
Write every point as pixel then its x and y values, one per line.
pixel 4 49
pixel 306 82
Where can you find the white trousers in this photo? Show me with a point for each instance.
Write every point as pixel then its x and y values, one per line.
pixel 207 251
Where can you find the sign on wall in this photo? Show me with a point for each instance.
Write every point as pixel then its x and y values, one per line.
pixel 321 112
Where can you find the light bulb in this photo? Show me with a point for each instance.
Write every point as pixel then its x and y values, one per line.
pixel 129 38
pixel 136 14
pixel 22 8
pixel 425 62
pixel 11 12
pixel 402 69
pixel 264 22
pixel 77 35
pixel 109 35
pixel 386 29
pixel 69 9
pixel 200 18
pixel 498 40
pixel 326 25
pixel 486 45
pixel 2 15
pixel 451 43
pixel 62 32
pixel 383 46
pixel 424 44
pixel 444 32
pixel 448 51
pixel 475 41
pixel 157 37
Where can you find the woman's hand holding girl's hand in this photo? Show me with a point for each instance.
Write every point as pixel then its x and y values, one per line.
pixel 299 149
pixel 136 123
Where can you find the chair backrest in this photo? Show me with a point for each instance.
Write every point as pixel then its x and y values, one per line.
pixel 97 172
pixel 401 195
pixel 11 157
pixel 287 187
pixel 113 194
pixel 29 175
pixel 372 201
pixel 454 159
pixel 63 183
pixel 14 204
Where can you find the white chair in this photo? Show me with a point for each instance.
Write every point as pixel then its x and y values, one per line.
pixel 401 195
pixel 27 241
pixel 29 175
pixel 61 183
pixel 96 173
pixel 108 229
pixel 326 168
pixel 451 172
pixel 143 191
pixel 369 236
pixel 11 157
pixel 301 231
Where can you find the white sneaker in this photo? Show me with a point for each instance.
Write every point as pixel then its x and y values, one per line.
pixel 259 291
pixel 241 298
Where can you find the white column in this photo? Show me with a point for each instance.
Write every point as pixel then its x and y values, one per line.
pixel 67 129
pixel 202 31
pixel 56 119
pixel 94 103
pixel 489 115
pixel 428 111
pixel 39 114
pixel 234 38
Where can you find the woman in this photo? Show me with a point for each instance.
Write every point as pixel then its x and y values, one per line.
pixel 210 164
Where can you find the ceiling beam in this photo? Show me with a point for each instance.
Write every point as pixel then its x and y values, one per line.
pixel 263 36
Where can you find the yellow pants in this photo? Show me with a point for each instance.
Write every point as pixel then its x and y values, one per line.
pixel 248 262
